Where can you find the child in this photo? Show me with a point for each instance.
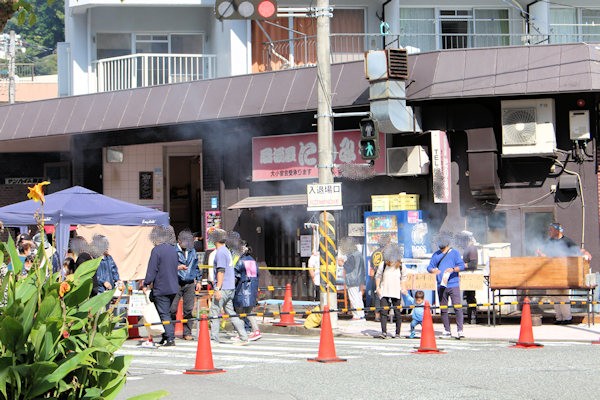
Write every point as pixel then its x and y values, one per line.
pixel 417 312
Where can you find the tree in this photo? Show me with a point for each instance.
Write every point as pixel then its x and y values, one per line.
pixel 9 7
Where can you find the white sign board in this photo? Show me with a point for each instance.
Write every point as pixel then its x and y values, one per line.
pixel 357 230
pixel 305 245
pixel 137 302
pixel 440 159
pixel 324 196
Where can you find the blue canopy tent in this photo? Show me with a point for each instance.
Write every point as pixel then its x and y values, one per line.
pixel 80 206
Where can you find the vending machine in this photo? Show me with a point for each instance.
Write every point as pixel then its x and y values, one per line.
pixel 405 227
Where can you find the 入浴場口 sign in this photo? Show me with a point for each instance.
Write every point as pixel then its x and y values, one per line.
pixel 324 196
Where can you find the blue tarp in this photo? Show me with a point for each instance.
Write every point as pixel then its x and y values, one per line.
pixel 80 206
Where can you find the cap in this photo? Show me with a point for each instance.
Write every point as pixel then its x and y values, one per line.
pixel 557 226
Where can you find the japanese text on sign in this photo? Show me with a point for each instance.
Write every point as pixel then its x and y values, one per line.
pixel 323 197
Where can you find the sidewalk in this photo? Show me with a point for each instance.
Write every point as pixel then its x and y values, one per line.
pixel 507 331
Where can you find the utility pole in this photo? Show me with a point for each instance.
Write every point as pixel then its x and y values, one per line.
pixel 11 68
pixel 325 158
pixel 324 110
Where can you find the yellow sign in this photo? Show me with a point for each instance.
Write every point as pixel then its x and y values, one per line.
pixel 377 258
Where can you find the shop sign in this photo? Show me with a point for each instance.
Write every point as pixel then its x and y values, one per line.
pixel 22 181
pixel 324 197
pixel 440 155
pixel 285 157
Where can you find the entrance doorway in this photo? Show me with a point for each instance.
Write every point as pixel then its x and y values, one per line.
pixel 185 191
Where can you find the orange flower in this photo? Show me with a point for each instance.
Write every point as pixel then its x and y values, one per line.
pixel 36 193
pixel 64 288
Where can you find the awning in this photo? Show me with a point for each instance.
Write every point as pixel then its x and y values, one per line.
pixel 271 201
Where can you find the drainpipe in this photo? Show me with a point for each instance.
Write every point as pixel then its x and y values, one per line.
pixel 383 19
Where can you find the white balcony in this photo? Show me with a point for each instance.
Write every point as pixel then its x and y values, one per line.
pixel 142 70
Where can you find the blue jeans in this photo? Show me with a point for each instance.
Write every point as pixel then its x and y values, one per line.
pixel 453 294
pixel 225 303
pixel 163 306
pixel 413 325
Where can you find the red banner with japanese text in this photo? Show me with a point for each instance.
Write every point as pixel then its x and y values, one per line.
pixel 285 157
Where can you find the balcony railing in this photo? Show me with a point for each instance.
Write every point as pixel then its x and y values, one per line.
pixel 142 70
pixel 302 51
pixel 22 70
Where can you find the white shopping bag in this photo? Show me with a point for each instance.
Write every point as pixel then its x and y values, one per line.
pixel 151 316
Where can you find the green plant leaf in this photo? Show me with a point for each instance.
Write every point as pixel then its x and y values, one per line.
pixel 11 334
pixel 159 394
pixel 11 249
pixel 86 271
pixel 5 363
pixel 50 308
pixel 96 303
pixel 28 313
pixel 78 294
pixel 69 365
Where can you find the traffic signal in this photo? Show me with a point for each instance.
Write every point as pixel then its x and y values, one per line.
pixel 246 9
pixel 369 139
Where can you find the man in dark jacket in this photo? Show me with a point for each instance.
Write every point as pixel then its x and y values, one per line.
pixel 354 269
pixel 190 280
pixel 162 276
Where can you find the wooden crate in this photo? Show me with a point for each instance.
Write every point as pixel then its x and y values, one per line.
pixel 404 201
pixel 538 272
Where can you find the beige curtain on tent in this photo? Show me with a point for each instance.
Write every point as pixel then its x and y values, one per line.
pixel 130 247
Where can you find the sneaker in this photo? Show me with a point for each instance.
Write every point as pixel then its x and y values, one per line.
pixel 460 335
pixel 254 336
pixel 382 335
pixel 446 335
pixel 567 321
pixel 412 335
pixel 188 337
pixel 169 343
pixel 240 342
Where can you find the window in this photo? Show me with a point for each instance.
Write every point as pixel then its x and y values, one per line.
pixel 112 45
pixel 453 29
pixel 563 27
pixel 536 228
pixel 591 25
pixel 488 228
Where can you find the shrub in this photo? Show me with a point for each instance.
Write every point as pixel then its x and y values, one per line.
pixel 57 342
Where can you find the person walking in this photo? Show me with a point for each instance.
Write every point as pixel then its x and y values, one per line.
pixel 161 276
pixel 246 289
pixel 446 263
pixel 189 278
pixel 388 279
pixel 224 289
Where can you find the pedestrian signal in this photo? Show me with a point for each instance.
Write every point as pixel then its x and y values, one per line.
pixel 369 139
pixel 246 9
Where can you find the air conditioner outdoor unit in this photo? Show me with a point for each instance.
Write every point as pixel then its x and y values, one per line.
pixel 407 161
pixel 528 127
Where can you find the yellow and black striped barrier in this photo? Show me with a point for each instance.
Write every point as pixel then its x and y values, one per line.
pixel 276 314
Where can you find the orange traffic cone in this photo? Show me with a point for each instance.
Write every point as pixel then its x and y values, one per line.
pixel 526 334
pixel 132 331
pixel 427 344
pixel 287 319
pixel 204 361
pixel 326 345
pixel 179 317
